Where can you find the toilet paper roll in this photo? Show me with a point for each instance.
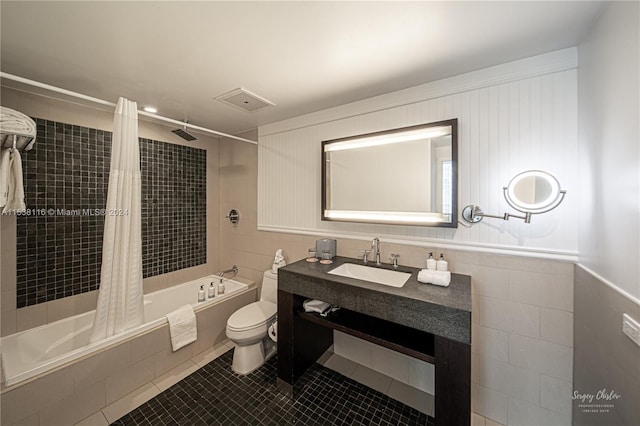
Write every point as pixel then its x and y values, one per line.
pixel 273 331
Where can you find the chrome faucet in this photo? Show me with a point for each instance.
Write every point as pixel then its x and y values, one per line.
pixel 233 269
pixel 394 260
pixel 365 256
pixel 375 245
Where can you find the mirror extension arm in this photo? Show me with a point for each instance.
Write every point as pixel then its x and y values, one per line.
pixel 530 192
pixel 474 214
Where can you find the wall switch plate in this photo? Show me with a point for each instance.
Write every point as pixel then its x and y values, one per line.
pixel 631 328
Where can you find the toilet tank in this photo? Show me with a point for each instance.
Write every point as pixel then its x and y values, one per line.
pixel 269 287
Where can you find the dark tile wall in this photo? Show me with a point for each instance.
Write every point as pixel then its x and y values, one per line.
pixel 174 209
pixel 66 175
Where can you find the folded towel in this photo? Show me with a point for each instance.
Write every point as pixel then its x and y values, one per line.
pixel 323 308
pixel 5 169
pixel 182 326
pixel 15 196
pixel 441 278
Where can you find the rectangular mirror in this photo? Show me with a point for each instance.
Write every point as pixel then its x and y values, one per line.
pixel 406 176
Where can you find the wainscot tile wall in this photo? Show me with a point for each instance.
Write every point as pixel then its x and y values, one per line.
pixel 66 174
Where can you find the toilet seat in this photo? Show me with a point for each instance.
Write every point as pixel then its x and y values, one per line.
pixel 254 315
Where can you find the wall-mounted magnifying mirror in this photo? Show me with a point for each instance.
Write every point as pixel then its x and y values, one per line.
pixel 530 192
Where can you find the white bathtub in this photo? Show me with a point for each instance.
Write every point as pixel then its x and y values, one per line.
pixel 38 350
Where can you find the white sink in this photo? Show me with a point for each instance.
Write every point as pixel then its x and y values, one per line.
pixel 376 275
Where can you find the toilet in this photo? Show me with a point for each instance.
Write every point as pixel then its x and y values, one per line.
pixel 248 328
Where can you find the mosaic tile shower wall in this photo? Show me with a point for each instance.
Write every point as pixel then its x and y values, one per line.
pixel 66 174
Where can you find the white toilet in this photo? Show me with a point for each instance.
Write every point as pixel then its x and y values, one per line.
pixel 248 328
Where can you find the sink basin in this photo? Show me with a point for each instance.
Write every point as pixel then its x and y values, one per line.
pixel 376 275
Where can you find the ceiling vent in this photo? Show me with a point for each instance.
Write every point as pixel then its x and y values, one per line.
pixel 243 99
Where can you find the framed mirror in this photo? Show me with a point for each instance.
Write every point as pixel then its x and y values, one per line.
pixel 405 176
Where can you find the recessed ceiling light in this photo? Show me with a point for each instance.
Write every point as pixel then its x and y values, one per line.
pixel 150 109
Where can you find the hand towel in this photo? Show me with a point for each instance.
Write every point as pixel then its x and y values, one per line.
pixel 182 326
pixel 5 170
pixel 323 308
pixel 316 306
pixel 15 197
pixel 441 278
pixel 278 261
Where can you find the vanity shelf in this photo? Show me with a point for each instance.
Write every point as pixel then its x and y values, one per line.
pixel 429 323
pixel 408 341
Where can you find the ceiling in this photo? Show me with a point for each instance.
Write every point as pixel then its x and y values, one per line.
pixel 303 56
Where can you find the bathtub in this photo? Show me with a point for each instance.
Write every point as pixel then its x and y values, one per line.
pixel 36 351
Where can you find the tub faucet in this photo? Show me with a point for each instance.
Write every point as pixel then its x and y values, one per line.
pixel 233 269
pixel 375 245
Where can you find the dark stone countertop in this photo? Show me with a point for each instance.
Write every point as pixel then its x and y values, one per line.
pixel 443 311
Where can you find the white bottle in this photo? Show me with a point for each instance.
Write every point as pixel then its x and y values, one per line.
pixel 442 265
pixel 221 288
pixel 201 294
pixel 431 263
pixel 212 291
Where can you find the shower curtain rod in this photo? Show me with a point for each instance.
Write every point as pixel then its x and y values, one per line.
pixel 112 105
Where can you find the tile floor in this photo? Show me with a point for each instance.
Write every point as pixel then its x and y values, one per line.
pixel 409 395
pixel 214 395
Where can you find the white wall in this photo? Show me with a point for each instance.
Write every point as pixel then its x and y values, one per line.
pixel 607 281
pixel 513 117
pixel 609 93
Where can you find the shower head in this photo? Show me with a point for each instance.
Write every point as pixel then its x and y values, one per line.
pixel 183 134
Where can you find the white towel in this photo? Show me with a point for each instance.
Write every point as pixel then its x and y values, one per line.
pixel 15 197
pixel 441 278
pixel 323 308
pixel 314 305
pixel 182 326
pixel 5 169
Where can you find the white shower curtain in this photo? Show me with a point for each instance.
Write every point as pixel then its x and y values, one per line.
pixel 120 299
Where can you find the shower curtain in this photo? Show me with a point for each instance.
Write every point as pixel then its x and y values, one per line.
pixel 120 299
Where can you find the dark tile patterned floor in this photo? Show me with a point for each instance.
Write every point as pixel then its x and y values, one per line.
pixel 214 395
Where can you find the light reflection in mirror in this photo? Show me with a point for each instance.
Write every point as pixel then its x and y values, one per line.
pixel 533 191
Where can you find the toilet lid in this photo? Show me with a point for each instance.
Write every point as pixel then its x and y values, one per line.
pixel 252 315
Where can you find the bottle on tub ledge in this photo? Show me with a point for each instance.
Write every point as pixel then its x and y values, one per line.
pixel 201 294
pixel 221 287
pixel 212 291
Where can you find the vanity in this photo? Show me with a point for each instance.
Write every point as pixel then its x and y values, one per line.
pixel 427 322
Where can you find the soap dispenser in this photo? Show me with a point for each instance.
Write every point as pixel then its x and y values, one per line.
pixel 442 265
pixel 212 291
pixel 221 287
pixel 431 263
pixel 201 294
